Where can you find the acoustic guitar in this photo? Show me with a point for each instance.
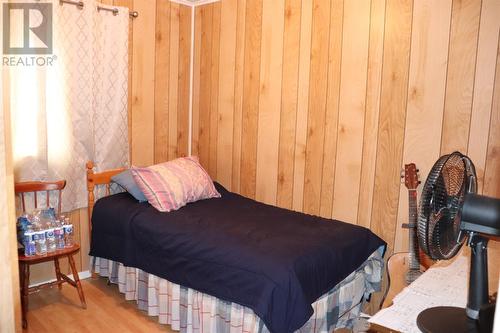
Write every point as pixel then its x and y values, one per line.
pixel 405 267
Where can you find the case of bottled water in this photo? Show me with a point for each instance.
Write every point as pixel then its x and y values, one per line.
pixel 41 233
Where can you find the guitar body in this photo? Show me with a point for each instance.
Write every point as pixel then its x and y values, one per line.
pixel 398 268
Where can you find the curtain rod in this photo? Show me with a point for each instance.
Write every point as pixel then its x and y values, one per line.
pixel 80 5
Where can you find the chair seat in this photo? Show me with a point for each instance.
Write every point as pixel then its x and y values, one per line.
pixel 49 256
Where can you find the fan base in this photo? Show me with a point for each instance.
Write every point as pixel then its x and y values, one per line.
pixel 446 319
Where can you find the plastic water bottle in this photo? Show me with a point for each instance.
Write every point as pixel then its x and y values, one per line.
pixel 29 242
pixel 68 233
pixel 59 235
pixel 51 238
pixel 40 241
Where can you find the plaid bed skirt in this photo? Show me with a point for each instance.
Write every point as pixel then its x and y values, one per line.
pixel 189 311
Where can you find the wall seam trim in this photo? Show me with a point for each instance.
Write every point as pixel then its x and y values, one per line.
pixel 193 5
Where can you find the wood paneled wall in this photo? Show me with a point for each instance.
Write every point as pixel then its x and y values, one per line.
pixel 316 105
pixel 160 47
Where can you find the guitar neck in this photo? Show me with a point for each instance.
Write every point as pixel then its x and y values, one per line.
pixel 412 220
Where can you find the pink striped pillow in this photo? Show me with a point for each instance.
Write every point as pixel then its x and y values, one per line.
pixel 169 186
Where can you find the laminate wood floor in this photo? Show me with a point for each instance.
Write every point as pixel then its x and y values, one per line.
pixel 56 311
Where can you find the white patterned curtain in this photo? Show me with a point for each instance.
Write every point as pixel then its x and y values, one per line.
pixel 74 109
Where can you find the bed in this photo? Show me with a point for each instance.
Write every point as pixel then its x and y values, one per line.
pixel 232 264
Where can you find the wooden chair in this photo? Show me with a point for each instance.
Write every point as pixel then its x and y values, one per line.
pixel 25 262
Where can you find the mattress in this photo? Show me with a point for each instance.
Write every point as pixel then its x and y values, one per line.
pixel 190 311
pixel 274 261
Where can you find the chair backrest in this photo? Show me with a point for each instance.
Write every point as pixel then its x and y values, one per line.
pixel 21 188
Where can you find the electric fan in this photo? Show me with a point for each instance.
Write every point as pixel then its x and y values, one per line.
pixel 451 213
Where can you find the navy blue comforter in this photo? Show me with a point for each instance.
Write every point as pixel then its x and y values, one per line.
pixel 275 261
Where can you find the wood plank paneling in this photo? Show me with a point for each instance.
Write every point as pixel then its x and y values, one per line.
pixel 362 87
pixel 238 94
pixel 225 109
pixel 483 86
pixel 392 118
pixel 430 34
pixel 196 82
pixel 165 91
pixel 271 67
pixel 492 168
pixel 351 109
pixel 162 79
pixel 206 15
pixel 332 108
pixel 184 45
pixel 159 80
pixel 373 87
pixel 302 105
pixel 173 86
pixel 251 81
pixel 289 93
pixel 318 88
pixel 143 82
pixel 460 79
pixel 74 217
pixel 214 99
pixel 84 239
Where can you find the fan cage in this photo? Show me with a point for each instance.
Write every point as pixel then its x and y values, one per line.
pixel 442 196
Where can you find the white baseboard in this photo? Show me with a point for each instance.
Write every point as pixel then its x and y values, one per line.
pixel 82 275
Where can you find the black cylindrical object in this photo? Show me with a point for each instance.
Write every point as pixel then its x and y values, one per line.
pixel 480 214
pixel 478 280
